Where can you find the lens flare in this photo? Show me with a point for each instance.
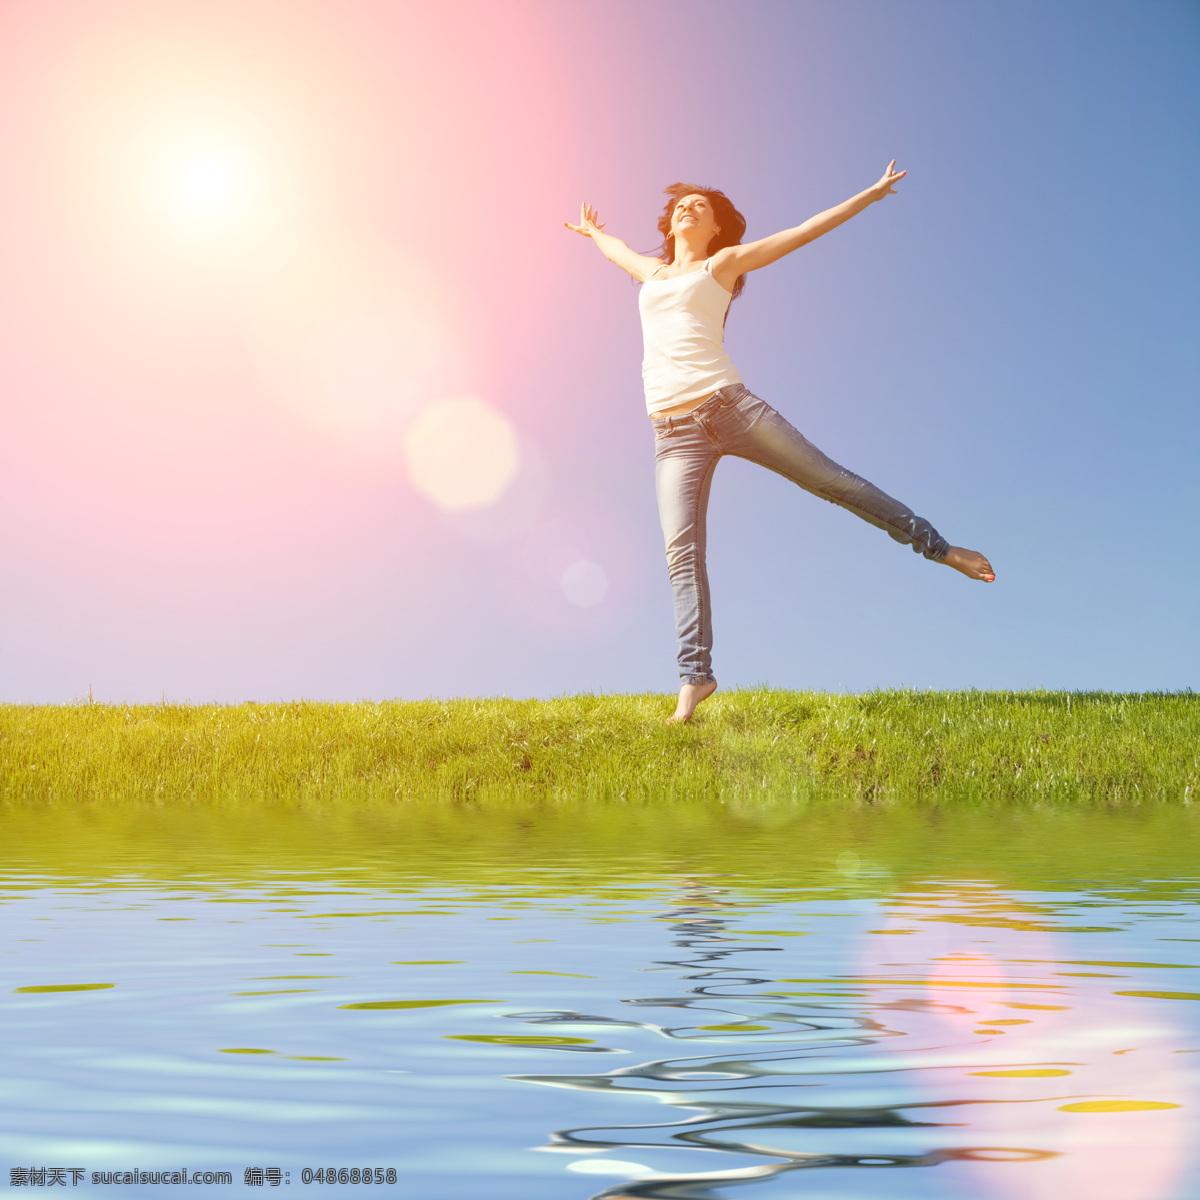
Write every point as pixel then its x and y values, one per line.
pixel 462 454
pixel 584 583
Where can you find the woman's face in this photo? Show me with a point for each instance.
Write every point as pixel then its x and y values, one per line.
pixel 693 216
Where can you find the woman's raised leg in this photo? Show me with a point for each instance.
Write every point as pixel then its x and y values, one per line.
pixel 765 437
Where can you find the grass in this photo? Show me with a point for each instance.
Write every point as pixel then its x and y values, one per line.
pixel 746 745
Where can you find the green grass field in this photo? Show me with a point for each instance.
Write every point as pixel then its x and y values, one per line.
pixel 753 744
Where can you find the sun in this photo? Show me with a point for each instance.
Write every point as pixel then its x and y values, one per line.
pixel 208 187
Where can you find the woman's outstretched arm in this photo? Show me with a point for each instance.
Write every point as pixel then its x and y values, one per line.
pixel 640 266
pixel 736 260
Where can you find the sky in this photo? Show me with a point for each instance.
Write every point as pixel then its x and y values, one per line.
pixel 305 391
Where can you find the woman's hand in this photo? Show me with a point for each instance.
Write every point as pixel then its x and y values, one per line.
pixel 885 186
pixel 640 266
pixel 588 223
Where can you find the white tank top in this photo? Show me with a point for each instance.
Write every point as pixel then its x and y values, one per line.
pixel 683 327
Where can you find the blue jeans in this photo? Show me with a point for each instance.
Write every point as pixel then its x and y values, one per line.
pixel 687 450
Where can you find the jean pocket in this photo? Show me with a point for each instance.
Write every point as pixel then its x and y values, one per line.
pixel 750 407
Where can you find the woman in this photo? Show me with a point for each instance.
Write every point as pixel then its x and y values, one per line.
pixel 701 411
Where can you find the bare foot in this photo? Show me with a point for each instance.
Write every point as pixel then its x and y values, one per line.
pixel 971 563
pixel 690 695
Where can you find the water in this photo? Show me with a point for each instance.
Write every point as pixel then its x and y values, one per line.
pixel 629 1003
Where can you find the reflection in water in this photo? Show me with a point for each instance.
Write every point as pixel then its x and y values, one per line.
pixel 763 1104
pixel 1018 1011
pixel 745 1105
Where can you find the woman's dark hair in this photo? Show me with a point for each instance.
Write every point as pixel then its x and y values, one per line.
pixel 730 222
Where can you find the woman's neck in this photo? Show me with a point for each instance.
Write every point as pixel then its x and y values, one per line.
pixel 689 253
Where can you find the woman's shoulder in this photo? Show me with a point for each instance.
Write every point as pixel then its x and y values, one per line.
pixel 722 256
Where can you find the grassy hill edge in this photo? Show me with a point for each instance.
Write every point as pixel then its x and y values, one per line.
pixel 755 743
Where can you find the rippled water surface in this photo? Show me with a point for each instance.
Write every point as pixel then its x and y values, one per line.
pixel 673 1003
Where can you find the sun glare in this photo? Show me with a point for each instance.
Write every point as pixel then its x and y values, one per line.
pixel 208 185
pixel 350 333
pixel 205 188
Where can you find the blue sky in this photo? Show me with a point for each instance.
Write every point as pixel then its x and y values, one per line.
pixel 1009 345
